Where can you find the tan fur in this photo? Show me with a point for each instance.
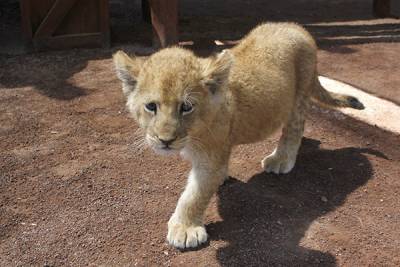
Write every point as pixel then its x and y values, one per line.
pixel 240 96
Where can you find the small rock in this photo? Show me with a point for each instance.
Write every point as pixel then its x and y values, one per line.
pixel 165 252
pixel 324 199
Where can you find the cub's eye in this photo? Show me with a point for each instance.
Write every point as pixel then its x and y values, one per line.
pixel 186 108
pixel 151 107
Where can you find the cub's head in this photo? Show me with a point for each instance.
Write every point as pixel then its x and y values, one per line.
pixel 172 93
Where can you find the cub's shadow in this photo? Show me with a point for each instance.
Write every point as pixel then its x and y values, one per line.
pixel 265 218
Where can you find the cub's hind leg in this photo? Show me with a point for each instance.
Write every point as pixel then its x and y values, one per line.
pixel 283 158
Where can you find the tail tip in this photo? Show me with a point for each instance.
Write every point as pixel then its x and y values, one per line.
pixel 355 103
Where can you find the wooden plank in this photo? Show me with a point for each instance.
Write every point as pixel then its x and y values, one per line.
pixel 54 18
pixel 39 10
pixel 104 14
pixel 25 19
pixel 381 8
pixel 69 41
pixel 62 24
pixel 164 18
pixel 83 17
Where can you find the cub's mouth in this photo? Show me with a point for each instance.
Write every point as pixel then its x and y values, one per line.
pixel 165 147
pixel 165 151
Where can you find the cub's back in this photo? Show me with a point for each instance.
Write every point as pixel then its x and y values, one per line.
pixel 263 77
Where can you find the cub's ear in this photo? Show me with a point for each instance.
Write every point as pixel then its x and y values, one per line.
pixel 216 70
pixel 128 69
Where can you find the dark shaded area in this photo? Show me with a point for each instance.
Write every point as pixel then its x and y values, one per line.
pixel 11 41
pixel 303 11
pixel 333 38
pixel 266 218
pixel 218 20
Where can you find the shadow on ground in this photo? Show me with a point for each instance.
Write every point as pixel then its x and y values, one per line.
pixel 265 219
pixel 333 23
pixel 333 38
pixel 49 73
pixel 339 35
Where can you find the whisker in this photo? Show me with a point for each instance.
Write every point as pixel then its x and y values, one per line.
pixel 138 144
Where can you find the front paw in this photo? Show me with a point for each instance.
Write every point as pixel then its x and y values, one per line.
pixel 277 163
pixel 186 236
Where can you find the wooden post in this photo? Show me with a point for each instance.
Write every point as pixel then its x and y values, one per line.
pixel 164 18
pixel 26 24
pixel 104 12
pixel 381 8
pixel 146 15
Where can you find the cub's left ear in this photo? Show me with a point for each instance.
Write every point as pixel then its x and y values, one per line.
pixel 128 69
pixel 216 71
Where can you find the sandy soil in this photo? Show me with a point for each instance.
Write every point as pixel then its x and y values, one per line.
pixel 75 191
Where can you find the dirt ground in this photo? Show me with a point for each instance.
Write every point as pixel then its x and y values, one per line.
pixel 75 191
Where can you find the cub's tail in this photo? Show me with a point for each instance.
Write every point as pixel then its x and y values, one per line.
pixel 321 96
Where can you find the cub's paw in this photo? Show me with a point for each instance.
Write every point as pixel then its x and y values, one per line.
pixel 183 236
pixel 277 163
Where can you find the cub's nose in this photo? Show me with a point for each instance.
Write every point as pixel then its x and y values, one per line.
pixel 165 142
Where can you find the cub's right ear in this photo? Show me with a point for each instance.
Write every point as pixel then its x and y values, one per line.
pixel 128 69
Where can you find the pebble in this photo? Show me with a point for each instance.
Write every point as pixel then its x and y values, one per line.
pixel 324 199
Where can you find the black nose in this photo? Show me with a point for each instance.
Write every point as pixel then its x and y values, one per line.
pixel 167 142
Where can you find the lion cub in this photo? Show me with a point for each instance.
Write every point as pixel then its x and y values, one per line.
pixel 202 107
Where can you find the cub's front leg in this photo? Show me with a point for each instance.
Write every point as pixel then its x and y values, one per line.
pixel 185 227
